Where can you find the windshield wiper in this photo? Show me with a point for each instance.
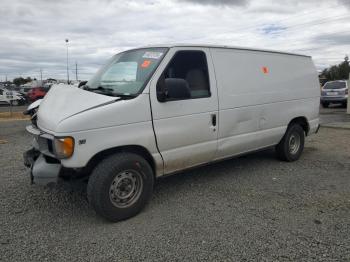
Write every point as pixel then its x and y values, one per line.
pixel 108 92
pixel 126 96
pixel 86 87
pixel 100 90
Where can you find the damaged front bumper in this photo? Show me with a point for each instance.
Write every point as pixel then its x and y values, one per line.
pixel 41 170
pixel 44 168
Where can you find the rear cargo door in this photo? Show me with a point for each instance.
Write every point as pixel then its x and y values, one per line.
pixel 186 129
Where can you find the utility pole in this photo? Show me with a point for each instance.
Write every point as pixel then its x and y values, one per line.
pixel 41 76
pixel 348 104
pixel 76 70
pixel 67 62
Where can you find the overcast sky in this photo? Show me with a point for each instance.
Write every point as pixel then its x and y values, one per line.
pixel 33 32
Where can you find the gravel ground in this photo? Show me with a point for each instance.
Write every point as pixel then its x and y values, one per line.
pixel 252 208
pixel 5 108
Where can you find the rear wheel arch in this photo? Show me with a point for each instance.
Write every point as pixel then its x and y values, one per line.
pixel 136 149
pixel 302 121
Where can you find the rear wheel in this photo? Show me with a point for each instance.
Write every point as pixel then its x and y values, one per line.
pixel 292 144
pixel 325 104
pixel 120 186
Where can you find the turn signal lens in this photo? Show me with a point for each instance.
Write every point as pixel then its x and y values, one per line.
pixel 63 147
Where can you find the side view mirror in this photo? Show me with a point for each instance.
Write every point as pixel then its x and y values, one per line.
pixel 176 88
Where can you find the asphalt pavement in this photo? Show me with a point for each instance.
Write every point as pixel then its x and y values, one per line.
pixel 251 208
pixel 5 108
pixel 333 114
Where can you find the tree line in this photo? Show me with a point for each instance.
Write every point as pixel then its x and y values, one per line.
pixel 21 81
pixel 337 72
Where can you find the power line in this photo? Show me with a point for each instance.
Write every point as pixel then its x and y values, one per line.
pixel 286 19
pixel 318 22
pixel 294 27
pixel 311 23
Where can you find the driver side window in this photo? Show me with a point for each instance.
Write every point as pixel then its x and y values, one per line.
pixel 191 69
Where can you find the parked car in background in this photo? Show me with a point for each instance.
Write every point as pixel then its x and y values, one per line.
pixel 11 97
pixel 335 92
pixel 25 90
pixel 23 97
pixel 37 93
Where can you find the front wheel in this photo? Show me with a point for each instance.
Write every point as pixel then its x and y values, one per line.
pixel 120 186
pixel 292 144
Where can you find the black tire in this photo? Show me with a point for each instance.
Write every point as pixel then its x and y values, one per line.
pixel 344 104
pixel 100 192
pixel 325 104
pixel 285 150
pixel 14 103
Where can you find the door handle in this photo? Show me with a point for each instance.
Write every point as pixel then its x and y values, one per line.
pixel 213 119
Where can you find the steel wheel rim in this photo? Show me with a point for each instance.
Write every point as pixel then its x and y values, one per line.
pixel 125 188
pixel 294 143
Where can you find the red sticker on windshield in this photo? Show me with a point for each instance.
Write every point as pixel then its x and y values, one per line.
pixel 146 63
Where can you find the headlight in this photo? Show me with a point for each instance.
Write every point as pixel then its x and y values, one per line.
pixel 63 147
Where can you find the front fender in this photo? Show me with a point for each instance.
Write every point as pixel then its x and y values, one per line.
pixel 91 142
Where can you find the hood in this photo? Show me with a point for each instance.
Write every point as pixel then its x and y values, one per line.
pixel 63 101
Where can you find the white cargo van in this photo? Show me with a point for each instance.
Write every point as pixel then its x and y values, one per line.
pixel 159 110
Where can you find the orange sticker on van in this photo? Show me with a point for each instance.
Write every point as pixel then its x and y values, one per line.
pixel 146 63
pixel 265 69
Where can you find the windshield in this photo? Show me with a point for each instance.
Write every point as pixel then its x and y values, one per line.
pixel 126 73
pixel 334 85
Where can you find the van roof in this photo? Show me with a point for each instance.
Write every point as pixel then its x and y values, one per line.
pixel 226 47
